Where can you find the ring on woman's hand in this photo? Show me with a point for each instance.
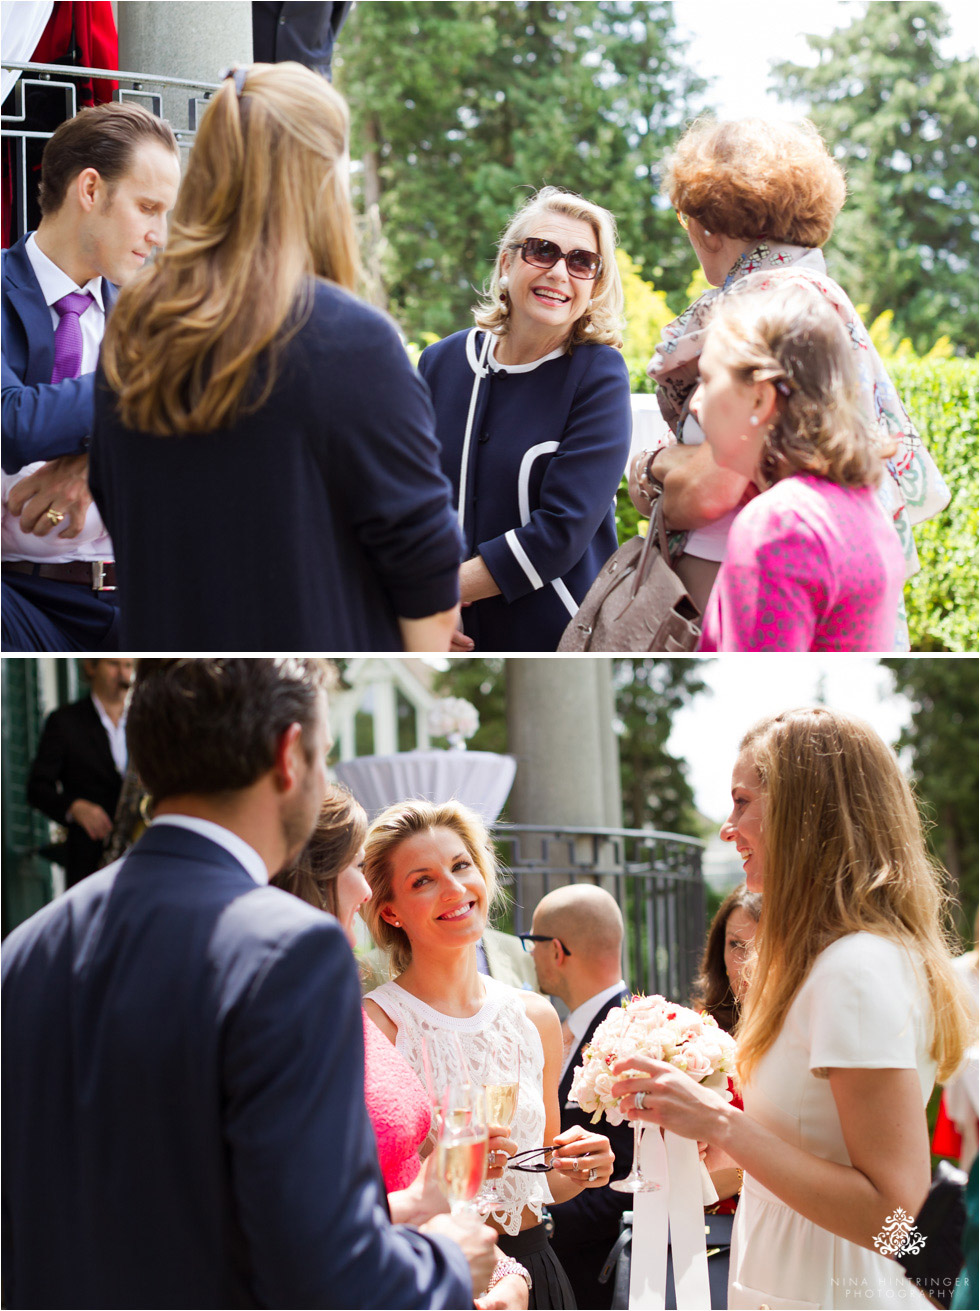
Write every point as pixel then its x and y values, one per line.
pixel 54 515
pixel 593 1175
pixel 638 1101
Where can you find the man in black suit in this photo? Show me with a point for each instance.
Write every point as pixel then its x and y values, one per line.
pixel 304 32
pixel 183 1073
pixel 81 759
pixel 577 936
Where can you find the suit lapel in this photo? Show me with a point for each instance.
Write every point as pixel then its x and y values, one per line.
pixel 565 1087
pixel 27 302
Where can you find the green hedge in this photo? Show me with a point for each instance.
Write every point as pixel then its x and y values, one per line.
pixel 942 398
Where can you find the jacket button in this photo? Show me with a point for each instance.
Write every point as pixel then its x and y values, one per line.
pixel 483 438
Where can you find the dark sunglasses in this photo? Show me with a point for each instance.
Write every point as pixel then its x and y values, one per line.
pixel 544 254
pixel 529 939
pixel 536 1160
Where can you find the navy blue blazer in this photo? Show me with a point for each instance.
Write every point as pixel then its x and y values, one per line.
pixel 587 1226
pixel 183 1102
pixel 548 449
pixel 310 524
pixel 41 419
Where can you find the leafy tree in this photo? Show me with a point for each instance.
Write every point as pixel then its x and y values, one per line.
pixel 942 741
pixel 649 691
pixel 902 120
pixel 488 101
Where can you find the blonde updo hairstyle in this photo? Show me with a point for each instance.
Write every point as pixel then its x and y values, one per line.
pixel 792 338
pixel 393 827
pixel 605 315
pixel 750 177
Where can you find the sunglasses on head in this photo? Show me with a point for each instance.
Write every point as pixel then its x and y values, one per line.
pixel 544 254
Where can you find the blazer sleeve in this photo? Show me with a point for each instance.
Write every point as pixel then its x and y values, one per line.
pixel 43 422
pixel 45 790
pixel 302 1152
pixel 577 489
pixel 385 458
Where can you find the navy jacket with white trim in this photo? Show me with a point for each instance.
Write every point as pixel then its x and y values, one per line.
pixel 548 447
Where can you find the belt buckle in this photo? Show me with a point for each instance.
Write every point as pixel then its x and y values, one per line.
pixel 98 577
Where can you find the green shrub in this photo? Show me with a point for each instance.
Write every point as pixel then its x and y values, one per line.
pixel 941 396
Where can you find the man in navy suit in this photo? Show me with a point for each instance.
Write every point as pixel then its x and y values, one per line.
pixel 577 936
pixel 183 1075
pixel 109 176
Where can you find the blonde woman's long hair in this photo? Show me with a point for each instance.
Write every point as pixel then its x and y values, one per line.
pixel 602 322
pixel 262 210
pixel 393 827
pixel 844 853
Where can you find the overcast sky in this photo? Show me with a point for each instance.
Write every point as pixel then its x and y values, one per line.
pixel 733 43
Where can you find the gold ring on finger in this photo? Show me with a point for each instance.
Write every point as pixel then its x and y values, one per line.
pixel 55 516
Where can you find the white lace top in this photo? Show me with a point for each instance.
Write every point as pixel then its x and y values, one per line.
pixel 501 1024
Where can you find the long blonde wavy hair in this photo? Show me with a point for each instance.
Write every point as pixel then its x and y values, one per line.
pixel 262 209
pixel 844 853
pixel 394 826
pixel 605 315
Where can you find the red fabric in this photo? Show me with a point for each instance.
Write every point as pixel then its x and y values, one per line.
pixel 728 1204
pixel 398 1107
pixel 946 1140
pixel 95 37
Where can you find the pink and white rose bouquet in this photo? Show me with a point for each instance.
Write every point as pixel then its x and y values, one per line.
pixel 661 1030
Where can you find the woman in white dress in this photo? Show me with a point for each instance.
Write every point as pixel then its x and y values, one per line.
pixel 432 874
pixel 851 1008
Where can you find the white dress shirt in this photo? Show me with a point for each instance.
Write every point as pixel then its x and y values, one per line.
pixel 116 733
pixel 93 541
pixel 243 851
pixel 582 1016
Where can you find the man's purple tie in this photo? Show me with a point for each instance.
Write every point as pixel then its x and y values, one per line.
pixel 68 334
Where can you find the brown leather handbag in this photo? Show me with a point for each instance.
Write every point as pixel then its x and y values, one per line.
pixel 637 603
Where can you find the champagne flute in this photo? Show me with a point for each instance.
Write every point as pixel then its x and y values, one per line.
pixel 501 1085
pixel 461 1146
pixel 443 1064
pixel 636 1181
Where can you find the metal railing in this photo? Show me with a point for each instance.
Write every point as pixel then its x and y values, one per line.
pixel 153 92
pixel 655 877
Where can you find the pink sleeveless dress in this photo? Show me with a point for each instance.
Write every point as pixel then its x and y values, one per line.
pixel 398 1107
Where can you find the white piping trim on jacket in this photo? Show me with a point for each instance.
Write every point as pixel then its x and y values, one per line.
pixel 524 508
pixel 480 371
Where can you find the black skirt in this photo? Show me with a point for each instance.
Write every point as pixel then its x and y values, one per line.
pixel 550 1286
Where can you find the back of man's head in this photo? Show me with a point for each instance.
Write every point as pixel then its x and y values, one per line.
pixel 202 727
pixel 588 921
pixel 105 138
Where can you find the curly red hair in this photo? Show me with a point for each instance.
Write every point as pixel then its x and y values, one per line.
pixel 755 178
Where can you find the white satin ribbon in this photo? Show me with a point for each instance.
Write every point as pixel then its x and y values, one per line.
pixel 678 1208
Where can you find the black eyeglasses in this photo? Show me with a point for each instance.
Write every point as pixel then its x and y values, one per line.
pixel 544 254
pixel 532 938
pixel 536 1160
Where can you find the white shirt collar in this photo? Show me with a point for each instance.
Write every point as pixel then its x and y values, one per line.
pixel 496 365
pixel 116 733
pixel 54 281
pixel 582 1016
pixel 242 851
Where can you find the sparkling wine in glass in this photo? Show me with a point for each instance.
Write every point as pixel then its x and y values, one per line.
pixel 501 1085
pixel 461 1146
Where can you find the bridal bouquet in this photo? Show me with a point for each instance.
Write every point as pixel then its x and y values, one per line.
pixel 662 1031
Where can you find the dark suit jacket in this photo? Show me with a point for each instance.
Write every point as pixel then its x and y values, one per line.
pixel 304 32
pixel 41 419
pixel 587 1227
pixel 183 1102
pixel 74 760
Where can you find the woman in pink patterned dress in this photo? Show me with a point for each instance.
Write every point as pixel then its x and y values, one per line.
pixel 812 563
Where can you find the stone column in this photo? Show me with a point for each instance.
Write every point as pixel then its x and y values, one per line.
pixel 560 728
pixel 192 40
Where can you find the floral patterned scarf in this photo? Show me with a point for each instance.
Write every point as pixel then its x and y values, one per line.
pixel 915 490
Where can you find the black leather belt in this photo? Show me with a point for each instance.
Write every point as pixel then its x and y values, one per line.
pixel 99 575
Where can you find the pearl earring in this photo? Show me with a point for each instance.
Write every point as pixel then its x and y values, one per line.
pixel 503 282
pixel 754 420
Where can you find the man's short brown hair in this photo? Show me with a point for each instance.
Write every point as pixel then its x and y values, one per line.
pixel 207 726
pixel 103 137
